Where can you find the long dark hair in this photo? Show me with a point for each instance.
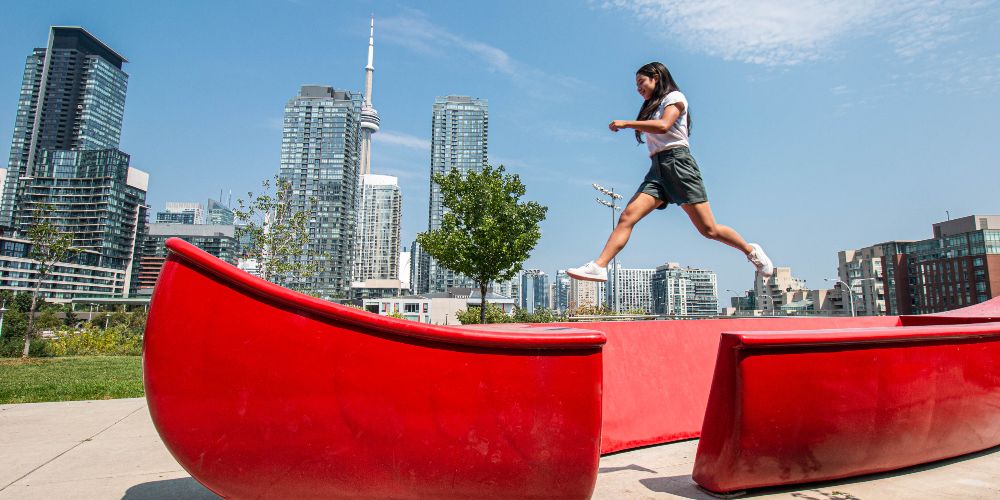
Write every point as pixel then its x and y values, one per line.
pixel 665 84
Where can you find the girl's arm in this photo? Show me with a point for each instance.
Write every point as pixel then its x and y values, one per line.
pixel 661 126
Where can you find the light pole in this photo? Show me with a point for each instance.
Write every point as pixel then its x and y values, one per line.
pixel 850 293
pixel 768 297
pixel 612 291
pixel 3 310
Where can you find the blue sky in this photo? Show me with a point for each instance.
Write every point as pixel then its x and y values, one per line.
pixel 818 125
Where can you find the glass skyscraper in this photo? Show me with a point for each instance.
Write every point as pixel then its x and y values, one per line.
pixel 219 213
pixel 320 158
pixel 95 196
pixel 376 254
pixel 72 98
pixel 561 291
pixel 459 126
pixel 65 166
pixel 534 290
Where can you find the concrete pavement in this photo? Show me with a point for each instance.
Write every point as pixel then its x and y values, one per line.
pixel 109 449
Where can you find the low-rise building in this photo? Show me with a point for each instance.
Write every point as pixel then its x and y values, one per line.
pixel 959 266
pixel 376 288
pixel 79 276
pixel 218 240
pixel 686 291
pixel 439 308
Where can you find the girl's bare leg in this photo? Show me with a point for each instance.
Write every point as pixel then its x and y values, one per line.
pixel 701 216
pixel 638 207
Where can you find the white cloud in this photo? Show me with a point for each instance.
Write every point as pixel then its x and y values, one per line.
pixel 414 31
pixel 782 32
pixel 404 140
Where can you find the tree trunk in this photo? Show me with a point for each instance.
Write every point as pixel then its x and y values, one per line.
pixel 482 303
pixel 31 320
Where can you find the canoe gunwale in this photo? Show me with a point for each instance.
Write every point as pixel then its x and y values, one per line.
pixel 535 337
pixel 862 336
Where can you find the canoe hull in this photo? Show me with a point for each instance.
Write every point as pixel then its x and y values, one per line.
pixel 795 407
pixel 263 399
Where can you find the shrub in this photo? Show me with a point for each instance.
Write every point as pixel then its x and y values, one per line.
pixel 541 315
pixel 116 340
pixel 15 323
pixel 494 314
pixel 12 346
pixel 591 311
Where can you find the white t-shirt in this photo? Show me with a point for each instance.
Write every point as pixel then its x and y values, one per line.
pixel 678 134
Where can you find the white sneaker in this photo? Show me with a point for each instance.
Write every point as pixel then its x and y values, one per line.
pixel 589 272
pixel 761 261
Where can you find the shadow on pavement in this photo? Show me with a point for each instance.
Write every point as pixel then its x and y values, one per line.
pixel 684 486
pixel 181 488
pixel 604 470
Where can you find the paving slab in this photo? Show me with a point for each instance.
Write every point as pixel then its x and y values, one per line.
pixel 661 472
pixel 109 449
pixel 33 434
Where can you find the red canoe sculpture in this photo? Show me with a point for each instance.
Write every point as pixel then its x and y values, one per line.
pixel 261 392
pixel 804 406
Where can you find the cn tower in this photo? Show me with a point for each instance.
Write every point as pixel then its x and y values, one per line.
pixel 369 117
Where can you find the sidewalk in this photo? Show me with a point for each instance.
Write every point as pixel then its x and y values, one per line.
pixel 109 449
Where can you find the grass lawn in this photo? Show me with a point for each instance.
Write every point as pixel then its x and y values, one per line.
pixel 70 378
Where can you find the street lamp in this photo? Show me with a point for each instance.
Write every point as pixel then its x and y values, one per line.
pixel 3 310
pixel 612 291
pixel 850 293
pixel 768 297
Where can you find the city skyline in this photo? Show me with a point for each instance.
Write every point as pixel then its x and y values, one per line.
pixel 811 154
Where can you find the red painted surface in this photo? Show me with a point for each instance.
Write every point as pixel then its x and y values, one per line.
pixel 984 312
pixel 658 374
pixel 262 392
pixel 801 406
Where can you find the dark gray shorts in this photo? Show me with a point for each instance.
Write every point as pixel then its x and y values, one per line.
pixel 674 178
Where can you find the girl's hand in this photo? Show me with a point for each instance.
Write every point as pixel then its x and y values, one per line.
pixel 617 125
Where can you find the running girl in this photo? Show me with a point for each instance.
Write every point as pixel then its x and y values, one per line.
pixel 673 177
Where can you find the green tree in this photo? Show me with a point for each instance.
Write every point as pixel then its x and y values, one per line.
pixel 69 318
pixel 119 319
pixel 22 302
pixel 99 320
pixel 49 246
pixel 541 315
pixel 137 322
pixel 473 315
pixel 278 234
pixel 486 232
pixel 47 320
